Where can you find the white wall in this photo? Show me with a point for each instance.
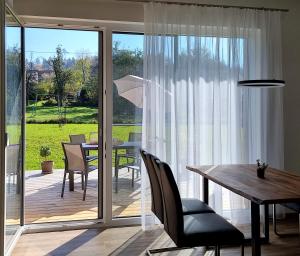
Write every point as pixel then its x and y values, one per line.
pixel 133 12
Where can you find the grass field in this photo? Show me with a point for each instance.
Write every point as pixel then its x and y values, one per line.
pixel 40 114
pixel 42 129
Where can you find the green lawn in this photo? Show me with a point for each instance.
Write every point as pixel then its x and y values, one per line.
pixel 78 114
pixel 52 135
pixel 42 129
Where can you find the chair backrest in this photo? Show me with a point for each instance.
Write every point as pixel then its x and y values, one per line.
pixel 173 214
pixel 93 137
pixel 77 138
pixel 134 137
pixel 74 157
pixel 157 201
pixel 13 158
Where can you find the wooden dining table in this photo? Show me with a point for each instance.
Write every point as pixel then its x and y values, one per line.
pixel 277 187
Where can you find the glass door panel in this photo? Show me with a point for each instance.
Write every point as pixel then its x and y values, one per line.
pixel 62 106
pixel 127 120
pixel 13 126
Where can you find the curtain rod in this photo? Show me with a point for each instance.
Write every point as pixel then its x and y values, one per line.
pixel 207 5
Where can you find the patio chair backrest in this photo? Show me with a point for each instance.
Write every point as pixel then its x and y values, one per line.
pixel 74 157
pixel 134 137
pixel 13 158
pixel 77 138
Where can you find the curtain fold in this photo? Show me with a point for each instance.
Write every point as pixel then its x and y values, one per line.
pixel 194 113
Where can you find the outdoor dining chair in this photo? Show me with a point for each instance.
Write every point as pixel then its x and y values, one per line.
pixel 13 165
pixel 130 159
pixel 78 139
pixel 75 163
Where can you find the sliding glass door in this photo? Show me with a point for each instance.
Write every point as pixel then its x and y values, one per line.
pixel 58 93
pixel 13 126
pixel 63 105
pixel 127 53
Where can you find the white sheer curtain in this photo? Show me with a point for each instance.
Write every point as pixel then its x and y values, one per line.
pixel 194 113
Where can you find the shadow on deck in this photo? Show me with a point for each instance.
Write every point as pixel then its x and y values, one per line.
pixel 44 204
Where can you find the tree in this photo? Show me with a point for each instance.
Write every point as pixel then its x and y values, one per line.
pixel 126 62
pixel 30 80
pixel 83 65
pixel 13 78
pixel 62 76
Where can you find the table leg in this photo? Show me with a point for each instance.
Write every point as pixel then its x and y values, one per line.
pixel 255 229
pixel 205 190
pixel 71 181
pixel 266 224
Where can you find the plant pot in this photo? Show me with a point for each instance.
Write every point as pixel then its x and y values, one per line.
pixel 261 172
pixel 47 167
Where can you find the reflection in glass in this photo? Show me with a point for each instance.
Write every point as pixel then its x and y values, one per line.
pixel 14 92
pixel 127 119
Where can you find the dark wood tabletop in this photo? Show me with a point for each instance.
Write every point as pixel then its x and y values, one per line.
pixel 277 186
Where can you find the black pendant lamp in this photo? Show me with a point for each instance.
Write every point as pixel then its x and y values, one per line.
pixel 265 83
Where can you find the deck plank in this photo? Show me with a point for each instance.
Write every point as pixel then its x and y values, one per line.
pixel 44 204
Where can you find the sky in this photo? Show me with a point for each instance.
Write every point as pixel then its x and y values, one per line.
pixel 13 37
pixel 43 42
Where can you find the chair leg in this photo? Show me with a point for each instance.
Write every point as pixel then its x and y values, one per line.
pixel 167 249
pixel 117 176
pixel 82 181
pixel 217 250
pixel 242 249
pixel 9 179
pixel 275 225
pixel 299 223
pixel 85 186
pixel 132 180
pixel 63 185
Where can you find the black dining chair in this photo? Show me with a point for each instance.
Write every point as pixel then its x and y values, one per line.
pixel 292 206
pixel 156 196
pixel 192 230
pixel 189 205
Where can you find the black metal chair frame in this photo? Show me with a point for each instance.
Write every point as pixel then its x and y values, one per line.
pixel 275 228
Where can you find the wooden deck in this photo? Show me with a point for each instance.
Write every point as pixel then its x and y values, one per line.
pixel 44 204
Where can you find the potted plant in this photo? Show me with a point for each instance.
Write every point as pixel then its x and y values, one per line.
pixel 261 168
pixel 47 165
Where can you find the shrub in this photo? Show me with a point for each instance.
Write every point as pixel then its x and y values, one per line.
pixel 45 151
pixel 50 103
